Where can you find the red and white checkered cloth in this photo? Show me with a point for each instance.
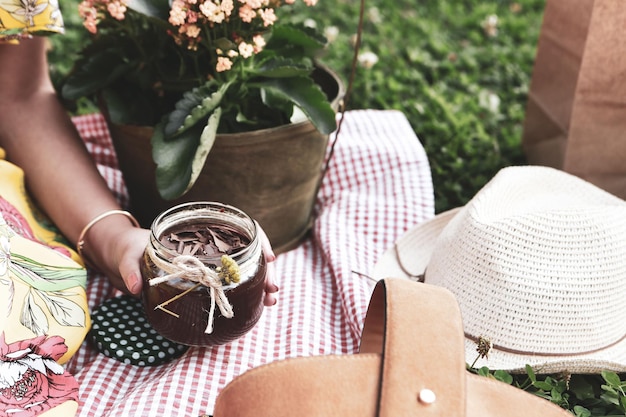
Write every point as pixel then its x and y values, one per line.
pixel 378 186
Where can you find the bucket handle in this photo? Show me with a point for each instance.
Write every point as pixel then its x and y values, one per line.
pixel 346 97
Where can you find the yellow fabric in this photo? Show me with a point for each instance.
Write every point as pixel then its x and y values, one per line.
pixel 41 273
pixel 12 189
pixel 22 18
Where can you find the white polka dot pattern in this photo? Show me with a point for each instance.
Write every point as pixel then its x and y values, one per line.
pixel 120 330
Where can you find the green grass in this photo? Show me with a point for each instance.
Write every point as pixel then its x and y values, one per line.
pixel 436 64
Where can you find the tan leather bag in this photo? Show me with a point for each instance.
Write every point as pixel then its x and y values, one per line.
pixel 411 363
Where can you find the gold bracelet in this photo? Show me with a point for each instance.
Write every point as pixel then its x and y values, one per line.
pixel 81 237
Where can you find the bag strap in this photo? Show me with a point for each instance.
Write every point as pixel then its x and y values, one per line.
pixel 418 330
pixel 413 339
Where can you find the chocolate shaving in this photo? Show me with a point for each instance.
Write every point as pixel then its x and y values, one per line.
pixel 222 246
pixel 204 240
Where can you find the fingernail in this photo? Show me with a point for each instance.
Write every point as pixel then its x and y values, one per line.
pixel 134 283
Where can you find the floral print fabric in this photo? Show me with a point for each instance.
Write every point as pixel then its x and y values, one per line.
pixel 19 18
pixel 32 381
pixel 44 316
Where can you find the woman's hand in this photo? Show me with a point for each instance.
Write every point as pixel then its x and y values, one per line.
pixel 115 247
pixel 126 255
pixel 270 285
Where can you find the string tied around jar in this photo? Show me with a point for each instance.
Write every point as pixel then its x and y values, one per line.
pixel 190 268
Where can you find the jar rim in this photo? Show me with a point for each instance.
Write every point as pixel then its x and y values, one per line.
pixel 229 214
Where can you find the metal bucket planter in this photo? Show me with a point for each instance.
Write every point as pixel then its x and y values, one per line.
pixel 271 174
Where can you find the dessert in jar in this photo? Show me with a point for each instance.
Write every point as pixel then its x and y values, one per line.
pixel 204 274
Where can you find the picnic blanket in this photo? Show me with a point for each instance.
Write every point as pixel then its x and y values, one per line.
pixel 377 187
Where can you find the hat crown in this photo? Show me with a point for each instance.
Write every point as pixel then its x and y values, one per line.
pixel 537 261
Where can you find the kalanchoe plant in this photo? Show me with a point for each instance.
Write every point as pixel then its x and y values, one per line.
pixel 196 68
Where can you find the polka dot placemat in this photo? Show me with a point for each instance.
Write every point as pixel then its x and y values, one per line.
pixel 120 330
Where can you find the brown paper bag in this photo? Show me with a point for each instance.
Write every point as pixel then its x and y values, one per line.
pixel 576 112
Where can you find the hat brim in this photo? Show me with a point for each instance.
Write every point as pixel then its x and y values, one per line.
pixel 409 258
pixel 609 359
pixel 411 253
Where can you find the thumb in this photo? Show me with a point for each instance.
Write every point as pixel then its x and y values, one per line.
pixel 131 275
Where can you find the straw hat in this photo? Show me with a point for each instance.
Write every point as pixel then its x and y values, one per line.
pixel 537 262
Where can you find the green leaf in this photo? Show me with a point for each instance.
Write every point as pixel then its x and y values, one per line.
pixel 225 44
pixel 129 106
pixel 503 376
pixel 543 385
pixel 556 395
pixel 173 159
pixel 580 411
pixel 610 398
pixel 154 8
pixel 308 96
pixel 180 159
pixel 295 40
pixel 611 378
pixel 281 67
pixel 277 101
pixel 97 72
pixel 194 107
pixel 531 373
pixel 207 139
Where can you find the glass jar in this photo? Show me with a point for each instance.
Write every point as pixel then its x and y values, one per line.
pixel 204 262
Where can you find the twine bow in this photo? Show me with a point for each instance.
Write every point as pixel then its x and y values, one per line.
pixel 190 268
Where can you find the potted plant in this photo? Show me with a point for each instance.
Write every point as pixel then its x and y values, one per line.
pixel 199 77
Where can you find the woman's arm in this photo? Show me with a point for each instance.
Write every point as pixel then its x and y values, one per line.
pixel 38 135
